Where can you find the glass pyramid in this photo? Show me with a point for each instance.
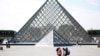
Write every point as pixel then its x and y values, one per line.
pixel 47 40
pixel 52 16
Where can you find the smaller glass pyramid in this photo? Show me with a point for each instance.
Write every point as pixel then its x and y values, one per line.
pixel 52 39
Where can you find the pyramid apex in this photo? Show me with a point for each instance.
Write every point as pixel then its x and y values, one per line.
pixel 51 0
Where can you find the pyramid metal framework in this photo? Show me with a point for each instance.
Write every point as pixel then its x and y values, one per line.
pixel 51 16
pixel 59 40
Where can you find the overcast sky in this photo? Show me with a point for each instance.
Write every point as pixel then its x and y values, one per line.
pixel 15 13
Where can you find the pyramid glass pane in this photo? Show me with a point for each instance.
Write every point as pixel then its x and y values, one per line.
pixel 51 16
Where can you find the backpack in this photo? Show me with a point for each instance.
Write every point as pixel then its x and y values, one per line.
pixel 67 51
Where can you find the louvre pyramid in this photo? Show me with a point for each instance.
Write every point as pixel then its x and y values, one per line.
pixel 52 16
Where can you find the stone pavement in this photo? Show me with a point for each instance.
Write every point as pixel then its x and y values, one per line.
pixel 49 51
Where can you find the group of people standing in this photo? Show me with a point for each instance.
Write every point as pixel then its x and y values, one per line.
pixel 62 51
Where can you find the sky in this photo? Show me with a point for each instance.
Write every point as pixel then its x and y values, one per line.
pixel 15 13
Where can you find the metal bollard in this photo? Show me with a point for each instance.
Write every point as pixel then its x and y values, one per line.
pixel 99 44
pixel 1 48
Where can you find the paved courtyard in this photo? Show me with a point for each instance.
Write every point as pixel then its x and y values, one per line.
pixel 49 51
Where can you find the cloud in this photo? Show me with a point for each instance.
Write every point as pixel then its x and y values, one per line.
pixel 17 12
pixel 93 2
pixel 87 18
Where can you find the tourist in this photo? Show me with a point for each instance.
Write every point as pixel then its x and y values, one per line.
pixel 66 52
pixel 59 52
